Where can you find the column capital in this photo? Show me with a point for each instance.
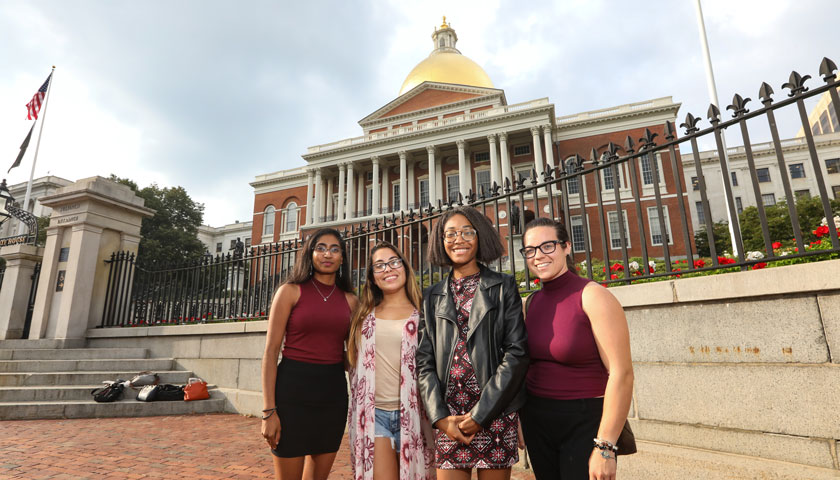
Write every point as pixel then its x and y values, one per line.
pixel 342 166
pixel 431 149
pixel 547 127
pixel 375 160
pixel 349 165
pixel 503 136
pixel 310 172
pixel 403 155
pixel 460 143
pixel 535 131
pixel 491 138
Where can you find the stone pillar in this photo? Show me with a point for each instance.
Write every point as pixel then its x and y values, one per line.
pixel 310 195
pixel 17 282
pixel 330 206
pixel 549 146
pixel 361 195
pixel 386 189
pixel 412 195
pixel 439 176
pixel 494 162
pixel 376 191
pixel 463 171
pixel 339 214
pixel 503 147
pixel 351 192
pixel 433 187
pixel 538 158
pixel 319 195
pixel 91 219
pixel 403 181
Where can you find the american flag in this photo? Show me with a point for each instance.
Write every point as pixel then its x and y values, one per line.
pixel 34 106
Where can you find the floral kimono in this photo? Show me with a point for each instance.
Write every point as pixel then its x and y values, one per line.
pixel 417 442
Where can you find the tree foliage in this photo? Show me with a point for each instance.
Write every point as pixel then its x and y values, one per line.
pixel 169 238
pixel 720 233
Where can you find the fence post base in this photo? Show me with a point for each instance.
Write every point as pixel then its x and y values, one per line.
pixel 14 295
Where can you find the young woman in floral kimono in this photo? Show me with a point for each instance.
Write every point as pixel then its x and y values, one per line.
pixel 390 437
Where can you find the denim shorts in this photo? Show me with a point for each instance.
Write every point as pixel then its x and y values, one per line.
pixel 388 426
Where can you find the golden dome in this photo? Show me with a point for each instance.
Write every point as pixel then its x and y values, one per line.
pixel 446 64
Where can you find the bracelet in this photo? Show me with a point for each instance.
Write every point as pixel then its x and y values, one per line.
pixel 270 413
pixel 269 410
pixel 604 445
pixel 606 454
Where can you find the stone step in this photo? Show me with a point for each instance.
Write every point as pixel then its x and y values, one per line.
pixel 43 343
pixel 71 353
pixel 12 379
pixel 98 365
pixel 121 408
pixel 56 393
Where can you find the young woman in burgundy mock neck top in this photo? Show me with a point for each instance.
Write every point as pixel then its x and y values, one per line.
pixel 305 396
pixel 580 380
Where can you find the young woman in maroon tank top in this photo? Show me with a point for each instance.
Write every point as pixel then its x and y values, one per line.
pixel 305 396
pixel 580 380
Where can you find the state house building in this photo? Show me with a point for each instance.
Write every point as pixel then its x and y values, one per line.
pixel 451 130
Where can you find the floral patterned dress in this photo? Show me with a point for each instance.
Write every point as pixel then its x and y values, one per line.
pixel 494 447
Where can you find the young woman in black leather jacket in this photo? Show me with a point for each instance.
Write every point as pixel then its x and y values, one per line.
pixel 472 354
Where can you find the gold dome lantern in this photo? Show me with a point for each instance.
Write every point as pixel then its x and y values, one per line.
pixel 446 64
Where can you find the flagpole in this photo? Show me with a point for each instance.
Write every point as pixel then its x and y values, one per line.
pixel 37 147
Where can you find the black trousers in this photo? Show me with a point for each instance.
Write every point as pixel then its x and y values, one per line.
pixel 558 434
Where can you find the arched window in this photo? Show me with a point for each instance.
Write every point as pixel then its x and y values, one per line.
pixel 442 43
pixel 268 221
pixel 573 182
pixel 290 222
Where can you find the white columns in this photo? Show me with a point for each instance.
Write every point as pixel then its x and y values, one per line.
pixel 351 192
pixel 386 189
pixel 403 181
pixel 361 194
pixel 549 146
pixel 494 162
pixel 412 203
pixel 328 197
pixel 376 194
pixel 463 171
pixel 319 195
pixel 339 214
pixel 441 186
pixel 538 158
pixel 430 149
pixel 310 195
pixel 505 158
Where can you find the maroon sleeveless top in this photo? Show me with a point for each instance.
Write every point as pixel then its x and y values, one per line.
pixel 565 363
pixel 316 329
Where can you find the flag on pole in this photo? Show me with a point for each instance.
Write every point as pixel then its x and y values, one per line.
pixel 22 149
pixel 34 106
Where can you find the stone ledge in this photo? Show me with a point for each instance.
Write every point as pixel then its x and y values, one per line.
pixel 173 330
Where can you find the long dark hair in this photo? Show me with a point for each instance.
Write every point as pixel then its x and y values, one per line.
pixel 559 230
pixel 490 246
pixel 372 296
pixel 304 269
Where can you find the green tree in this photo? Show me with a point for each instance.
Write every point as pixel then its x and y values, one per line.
pixel 43 223
pixel 169 238
pixel 809 210
pixel 720 233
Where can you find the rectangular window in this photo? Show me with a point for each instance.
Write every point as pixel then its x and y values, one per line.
pixel 655 232
pixel 832 165
pixel 369 207
pixel 826 127
pixel 452 187
pixel 218 247
pixel 248 242
pixel 573 183
pixel 701 216
pixel 648 171
pixel 523 173
pixel 369 176
pixel 833 115
pixel 578 238
pixel 615 232
pixel 797 170
pixel 836 190
pixel 763 175
pixel 802 193
pixel 609 179
pixel 481 157
pixel 396 196
pixel 768 199
pixel 695 183
pixel 734 179
pixel 521 150
pixel 232 244
pixel 482 179
pixel 815 129
pixel 739 207
pixel 424 192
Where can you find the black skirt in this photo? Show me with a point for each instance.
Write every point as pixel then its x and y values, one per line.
pixel 312 406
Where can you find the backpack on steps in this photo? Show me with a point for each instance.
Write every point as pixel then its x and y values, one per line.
pixel 108 393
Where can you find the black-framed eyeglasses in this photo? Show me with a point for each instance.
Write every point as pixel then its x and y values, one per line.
pixel 546 247
pixel 320 248
pixel 468 234
pixel 394 264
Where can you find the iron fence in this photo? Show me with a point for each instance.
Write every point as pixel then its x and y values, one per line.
pixel 627 191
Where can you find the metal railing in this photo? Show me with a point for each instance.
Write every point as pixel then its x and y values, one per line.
pixel 582 194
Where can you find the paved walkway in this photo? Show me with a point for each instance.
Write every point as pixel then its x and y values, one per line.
pixel 219 446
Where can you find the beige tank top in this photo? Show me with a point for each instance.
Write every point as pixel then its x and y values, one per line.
pixel 388 346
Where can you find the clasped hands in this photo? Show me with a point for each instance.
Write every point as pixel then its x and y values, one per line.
pixel 461 428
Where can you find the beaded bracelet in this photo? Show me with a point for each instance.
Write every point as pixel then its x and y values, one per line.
pixel 604 445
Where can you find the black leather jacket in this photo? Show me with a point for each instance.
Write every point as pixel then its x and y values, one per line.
pixel 496 342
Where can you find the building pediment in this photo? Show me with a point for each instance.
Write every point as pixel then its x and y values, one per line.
pixel 428 97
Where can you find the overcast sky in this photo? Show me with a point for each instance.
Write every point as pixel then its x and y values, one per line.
pixel 208 94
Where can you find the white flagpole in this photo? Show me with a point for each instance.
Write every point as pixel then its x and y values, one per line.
pixel 21 226
pixel 713 97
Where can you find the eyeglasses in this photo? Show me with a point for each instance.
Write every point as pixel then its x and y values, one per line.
pixel 468 234
pixel 320 248
pixel 379 267
pixel 545 247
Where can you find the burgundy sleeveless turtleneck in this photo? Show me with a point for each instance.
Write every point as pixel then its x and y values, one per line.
pixel 316 329
pixel 565 364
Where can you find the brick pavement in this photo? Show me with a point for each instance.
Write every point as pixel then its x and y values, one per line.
pixel 211 447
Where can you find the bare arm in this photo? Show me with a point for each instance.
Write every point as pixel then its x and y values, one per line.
pixel 281 306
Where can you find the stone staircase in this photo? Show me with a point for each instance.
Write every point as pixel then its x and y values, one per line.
pixel 53 379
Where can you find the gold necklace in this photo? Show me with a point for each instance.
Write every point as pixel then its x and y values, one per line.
pixel 319 290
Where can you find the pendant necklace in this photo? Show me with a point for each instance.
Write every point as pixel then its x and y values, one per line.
pixel 319 290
